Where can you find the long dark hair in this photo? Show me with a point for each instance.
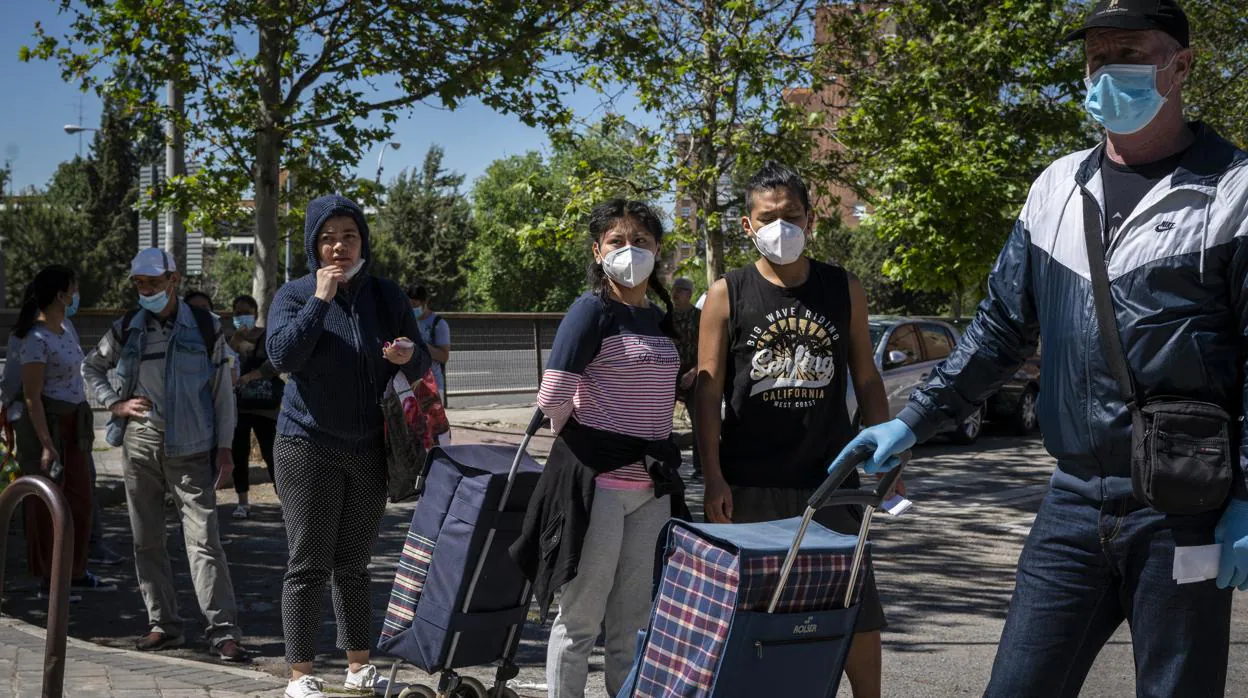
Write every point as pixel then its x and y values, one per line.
pixel 40 293
pixel 192 295
pixel 602 219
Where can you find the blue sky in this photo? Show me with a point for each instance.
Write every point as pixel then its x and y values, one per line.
pixel 38 104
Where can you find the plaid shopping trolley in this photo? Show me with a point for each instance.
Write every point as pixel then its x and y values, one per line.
pixel 747 609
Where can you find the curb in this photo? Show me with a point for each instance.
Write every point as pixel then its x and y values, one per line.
pixel 261 678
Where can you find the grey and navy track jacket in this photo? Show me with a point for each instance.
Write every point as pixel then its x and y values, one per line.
pixel 1178 269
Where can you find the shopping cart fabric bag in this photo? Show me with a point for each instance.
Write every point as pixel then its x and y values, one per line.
pixel 710 633
pixel 454 519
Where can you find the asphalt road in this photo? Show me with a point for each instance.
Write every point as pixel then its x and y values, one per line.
pixel 490 370
pixel 945 570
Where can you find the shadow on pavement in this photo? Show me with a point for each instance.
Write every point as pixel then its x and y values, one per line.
pixel 930 577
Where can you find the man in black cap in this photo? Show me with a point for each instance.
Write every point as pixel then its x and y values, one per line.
pixel 1131 260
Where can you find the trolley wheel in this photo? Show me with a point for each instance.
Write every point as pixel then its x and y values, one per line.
pixel 469 688
pixel 502 693
pixel 418 691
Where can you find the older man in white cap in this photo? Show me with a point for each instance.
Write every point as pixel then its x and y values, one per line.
pixel 173 414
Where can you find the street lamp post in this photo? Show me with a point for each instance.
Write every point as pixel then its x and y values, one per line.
pixel 71 129
pixel 381 156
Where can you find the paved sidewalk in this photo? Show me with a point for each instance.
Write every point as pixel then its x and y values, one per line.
pixel 93 671
pixel 945 570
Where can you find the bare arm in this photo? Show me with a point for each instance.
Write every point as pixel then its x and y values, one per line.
pixel 868 385
pixel 712 363
pixel 32 392
pixel 440 347
pixel 439 354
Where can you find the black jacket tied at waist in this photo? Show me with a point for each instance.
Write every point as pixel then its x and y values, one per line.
pixel 549 548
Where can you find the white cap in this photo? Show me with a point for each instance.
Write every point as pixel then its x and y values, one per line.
pixel 152 261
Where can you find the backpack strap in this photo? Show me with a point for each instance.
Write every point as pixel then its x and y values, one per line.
pixel 119 330
pixel 207 329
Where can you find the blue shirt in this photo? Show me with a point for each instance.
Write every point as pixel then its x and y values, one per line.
pixel 436 332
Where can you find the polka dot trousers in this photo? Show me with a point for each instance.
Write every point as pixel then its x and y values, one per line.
pixel 333 502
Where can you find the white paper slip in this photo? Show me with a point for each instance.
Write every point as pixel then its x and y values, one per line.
pixel 896 505
pixel 1196 563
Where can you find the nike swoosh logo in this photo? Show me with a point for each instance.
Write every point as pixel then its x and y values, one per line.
pixel 1164 226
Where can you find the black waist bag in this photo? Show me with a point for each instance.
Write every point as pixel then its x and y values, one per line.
pixel 1181 450
pixel 1181 456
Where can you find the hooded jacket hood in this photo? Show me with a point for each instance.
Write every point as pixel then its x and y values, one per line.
pixel 321 210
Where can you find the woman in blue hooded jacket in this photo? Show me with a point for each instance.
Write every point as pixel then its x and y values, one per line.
pixel 342 335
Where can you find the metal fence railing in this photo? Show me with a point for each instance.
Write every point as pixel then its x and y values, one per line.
pixel 491 353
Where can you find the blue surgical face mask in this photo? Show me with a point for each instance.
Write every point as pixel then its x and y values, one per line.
pixel 244 322
pixel 72 309
pixel 154 303
pixel 1123 97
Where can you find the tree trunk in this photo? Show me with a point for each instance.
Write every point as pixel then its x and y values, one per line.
pixel 707 201
pixel 707 192
pixel 268 162
pixel 175 166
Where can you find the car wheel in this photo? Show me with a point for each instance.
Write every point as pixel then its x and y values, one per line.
pixel 1026 419
pixel 968 432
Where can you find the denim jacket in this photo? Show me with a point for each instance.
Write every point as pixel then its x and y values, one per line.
pixel 201 413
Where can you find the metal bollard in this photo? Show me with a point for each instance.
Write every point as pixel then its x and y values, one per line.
pixel 62 564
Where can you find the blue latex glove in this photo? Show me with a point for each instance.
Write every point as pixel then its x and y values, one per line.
pixel 888 441
pixel 1232 534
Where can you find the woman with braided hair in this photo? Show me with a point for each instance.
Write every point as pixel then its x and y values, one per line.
pixel 610 482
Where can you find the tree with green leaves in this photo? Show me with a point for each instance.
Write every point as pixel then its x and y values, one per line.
pixel 959 107
pixel 118 152
pixel 267 82
pixel 423 232
pixel 50 227
pixel 715 74
pixel 532 244
pixel 228 276
pixel 1217 89
pixel 952 108
pixel 513 272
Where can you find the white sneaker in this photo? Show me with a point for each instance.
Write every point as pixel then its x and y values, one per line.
pixel 363 680
pixel 306 687
pixel 242 511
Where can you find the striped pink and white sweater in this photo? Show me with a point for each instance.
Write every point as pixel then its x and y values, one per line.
pixel 612 368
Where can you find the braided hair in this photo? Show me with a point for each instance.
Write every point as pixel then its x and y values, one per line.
pixel 602 219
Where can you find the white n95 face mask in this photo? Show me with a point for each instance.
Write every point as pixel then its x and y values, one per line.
pixel 628 266
pixel 780 241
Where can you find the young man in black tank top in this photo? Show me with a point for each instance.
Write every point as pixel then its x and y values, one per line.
pixel 778 339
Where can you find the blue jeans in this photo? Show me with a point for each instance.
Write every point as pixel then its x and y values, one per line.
pixel 1086 567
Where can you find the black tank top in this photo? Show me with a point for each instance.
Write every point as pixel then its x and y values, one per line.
pixel 787 374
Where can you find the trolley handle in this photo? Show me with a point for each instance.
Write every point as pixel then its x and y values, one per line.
pixel 828 493
pixel 536 422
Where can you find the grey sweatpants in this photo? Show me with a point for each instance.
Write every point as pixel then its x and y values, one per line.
pixel 612 584
pixel 149 474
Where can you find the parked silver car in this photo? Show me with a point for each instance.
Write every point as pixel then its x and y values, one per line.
pixel 906 351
